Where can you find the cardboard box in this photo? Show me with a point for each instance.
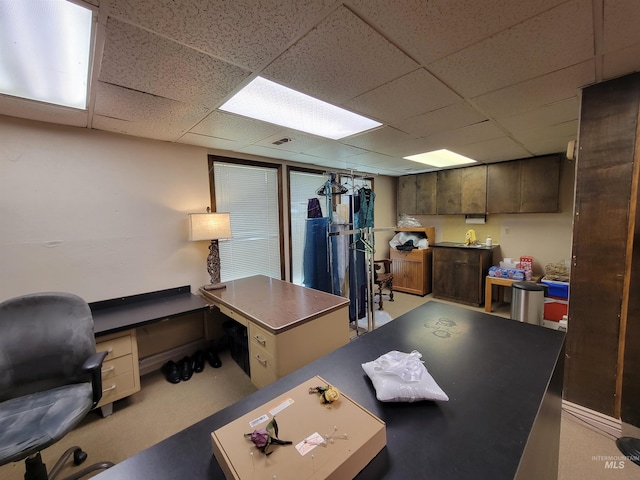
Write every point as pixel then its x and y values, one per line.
pixel 301 416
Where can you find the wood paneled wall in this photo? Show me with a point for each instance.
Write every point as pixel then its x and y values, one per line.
pixel 602 309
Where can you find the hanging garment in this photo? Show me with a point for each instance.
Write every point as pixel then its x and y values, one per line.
pixel 313 208
pixel 357 269
pixel 340 258
pixel 315 260
pixel 366 211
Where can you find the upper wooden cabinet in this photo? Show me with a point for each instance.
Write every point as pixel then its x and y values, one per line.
pixel 462 190
pixel 407 195
pixel 426 184
pixel 524 186
pixel 520 186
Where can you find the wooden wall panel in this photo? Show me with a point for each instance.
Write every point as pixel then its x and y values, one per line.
pixel 603 191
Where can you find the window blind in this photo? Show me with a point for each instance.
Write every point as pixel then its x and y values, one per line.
pixel 250 195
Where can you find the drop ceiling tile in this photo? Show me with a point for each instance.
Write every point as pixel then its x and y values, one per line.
pixel 537 92
pixel 387 141
pixel 541 122
pixel 448 25
pixel 334 150
pixel 242 32
pixel 242 129
pixel 447 118
pixel 272 152
pixel 298 142
pixel 408 96
pixel 549 144
pixel 496 150
pixel 621 62
pixel 478 132
pixel 340 59
pixel 527 50
pixel 620 29
pixel 137 59
pixel 125 111
pixel 211 142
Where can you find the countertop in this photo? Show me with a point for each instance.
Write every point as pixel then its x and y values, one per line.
pixel 274 304
pixel 497 373
pixel 479 246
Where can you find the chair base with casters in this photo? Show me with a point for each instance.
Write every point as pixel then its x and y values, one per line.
pixel 630 447
pixel 50 379
pixel 37 470
pixel 383 279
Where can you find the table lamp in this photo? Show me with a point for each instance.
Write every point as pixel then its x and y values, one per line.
pixel 210 226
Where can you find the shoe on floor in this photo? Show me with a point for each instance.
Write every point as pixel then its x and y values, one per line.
pixel 184 367
pixel 171 372
pixel 213 358
pixel 197 361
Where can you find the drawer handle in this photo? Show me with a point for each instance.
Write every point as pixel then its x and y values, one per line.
pixel 112 387
pixel 261 341
pixel 107 370
pixel 263 362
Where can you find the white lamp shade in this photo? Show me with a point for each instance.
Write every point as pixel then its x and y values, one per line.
pixel 209 226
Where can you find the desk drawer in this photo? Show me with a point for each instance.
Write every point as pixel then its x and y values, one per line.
pixel 117 366
pixel 118 387
pixel 233 314
pixel 260 337
pixel 263 368
pixel 115 346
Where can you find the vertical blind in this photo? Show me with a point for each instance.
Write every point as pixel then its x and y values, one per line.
pixel 250 195
pixel 302 187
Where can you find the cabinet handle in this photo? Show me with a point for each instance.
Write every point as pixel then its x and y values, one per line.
pixel 261 341
pixel 107 370
pixel 112 387
pixel 263 362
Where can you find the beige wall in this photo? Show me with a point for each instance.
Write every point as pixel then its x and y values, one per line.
pixel 105 215
pixel 97 214
pixel 546 237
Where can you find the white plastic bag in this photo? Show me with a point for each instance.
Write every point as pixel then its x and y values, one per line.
pixel 402 377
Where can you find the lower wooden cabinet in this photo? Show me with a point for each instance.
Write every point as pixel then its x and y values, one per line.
pixel 459 274
pixel 411 271
pixel 120 371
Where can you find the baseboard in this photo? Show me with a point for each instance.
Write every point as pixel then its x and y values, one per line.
pixel 596 420
pixel 154 362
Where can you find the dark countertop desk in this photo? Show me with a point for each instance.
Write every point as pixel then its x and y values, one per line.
pixel 118 314
pixel 503 378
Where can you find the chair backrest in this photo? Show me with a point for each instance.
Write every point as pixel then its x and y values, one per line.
pixel 44 340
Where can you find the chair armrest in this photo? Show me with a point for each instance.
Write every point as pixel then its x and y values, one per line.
pixel 93 365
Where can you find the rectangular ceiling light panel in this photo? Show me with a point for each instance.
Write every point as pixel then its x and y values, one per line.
pixel 45 51
pixel 440 158
pixel 270 102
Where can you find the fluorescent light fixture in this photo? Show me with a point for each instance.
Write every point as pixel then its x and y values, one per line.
pixel 440 158
pixel 268 101
pixel 45 51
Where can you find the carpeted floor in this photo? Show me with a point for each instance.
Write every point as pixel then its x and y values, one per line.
pixel 161 409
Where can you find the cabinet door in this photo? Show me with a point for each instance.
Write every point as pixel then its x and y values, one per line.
pixel 426 193
pixel 449 192
pixel 503 187
pixel 540 185
pixel 444 277
pixel 473 193
pixel 407 195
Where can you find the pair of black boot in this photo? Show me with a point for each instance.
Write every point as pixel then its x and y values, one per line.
pixel 175 372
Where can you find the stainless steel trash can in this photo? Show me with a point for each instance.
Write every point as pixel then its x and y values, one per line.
pixel 527 302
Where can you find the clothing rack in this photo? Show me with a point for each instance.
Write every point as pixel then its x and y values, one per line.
pixel 367 237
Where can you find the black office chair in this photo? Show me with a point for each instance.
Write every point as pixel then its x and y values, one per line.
pixel 49 378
